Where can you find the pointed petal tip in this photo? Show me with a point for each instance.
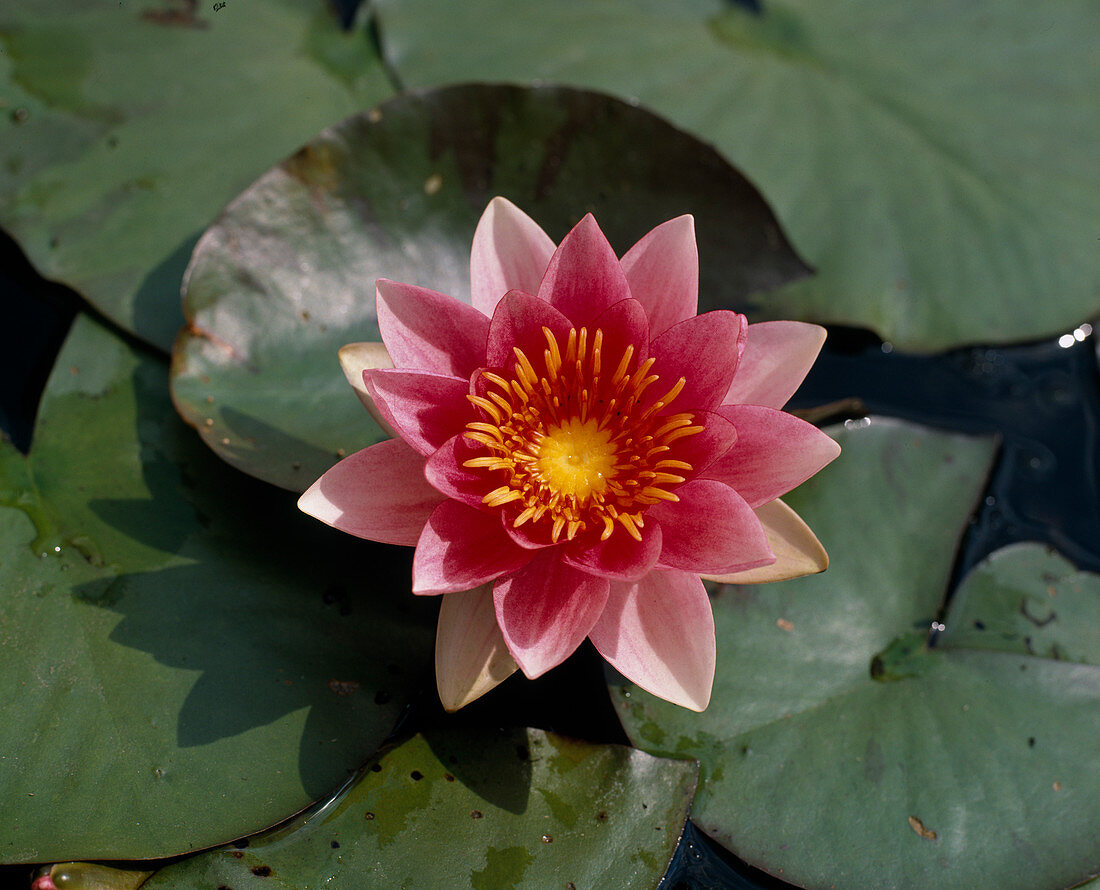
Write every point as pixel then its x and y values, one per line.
pixel 355 360
pixel 471 658
pixel 797 549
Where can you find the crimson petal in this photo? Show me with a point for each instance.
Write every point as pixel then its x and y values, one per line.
pixel 430 331
pixel 775 452
pixel 461 548
pixel 711 529
pixel 584 277
pixel 545 610
pixel 705 350
pixel 425 409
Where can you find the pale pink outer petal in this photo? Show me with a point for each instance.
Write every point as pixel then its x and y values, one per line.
pixel 659 633
pixel 710 529
pixel 429 331
pixel 774 453
pixel 510 252
pixel 461 548
pixel 545 610
pixel 584 276
pixel 355 358
pixel 470 655
pixel 778 356
pixel 379 493
pixel 662 270
pixel 704 350
pixel 797 550
pixel 425 409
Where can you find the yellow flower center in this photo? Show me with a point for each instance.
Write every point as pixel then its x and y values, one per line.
pixel 572 444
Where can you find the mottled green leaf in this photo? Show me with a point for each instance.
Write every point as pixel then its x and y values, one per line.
pixel 184 658
pixel 935 162
pixel 841 750
pixel 286 276
pixel 126 127
pixel 523 809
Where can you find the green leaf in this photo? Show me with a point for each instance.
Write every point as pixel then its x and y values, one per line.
pixel 184 658
pixel 840 749
pixel 463 810
pixel 127 127
pixel 936 164
pixel 286 276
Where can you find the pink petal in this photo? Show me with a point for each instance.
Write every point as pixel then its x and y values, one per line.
pixel 462 548
pixel 379 493
pixel 623 324
pixel 778 355
pixel 429 331
pixel 710 529
pixel 517 323
pixel 355 358
pixel 425 409
pixel 470 655
pixel 659 633
pixel 797 550
pixel 545 611
pixel 775 452
pixel 530 535
pixel 620 557
pixel 703 449
pixel 704 350
pixel 584 276
pixel 445 471
pixel 510 252
pixel 663 273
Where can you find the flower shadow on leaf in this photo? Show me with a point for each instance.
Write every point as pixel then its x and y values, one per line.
pixel 259 613
pixel 499 773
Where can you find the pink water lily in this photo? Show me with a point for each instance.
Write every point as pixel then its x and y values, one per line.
pixel 574 450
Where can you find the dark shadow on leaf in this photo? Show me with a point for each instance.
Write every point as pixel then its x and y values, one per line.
pixel 158 311
pixel 303 462
pixel 271 610
pixel 496 770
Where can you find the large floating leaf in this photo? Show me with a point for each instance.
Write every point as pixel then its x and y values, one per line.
pixel 935 163
pixel 183 657
pixel 286 276
pixel 523 809
pixel 839 750
pixel 127 126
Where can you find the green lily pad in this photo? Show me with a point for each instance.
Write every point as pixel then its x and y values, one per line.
pixel 184 659
pixel 936 164
pixel 286 276
pixel 522 808
pixel 841 750
pixel 125 128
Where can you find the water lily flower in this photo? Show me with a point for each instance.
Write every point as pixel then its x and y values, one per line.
pixel 573 450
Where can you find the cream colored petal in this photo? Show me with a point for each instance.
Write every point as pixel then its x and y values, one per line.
pixel 797 550
pixel 355 358
pixel 470 655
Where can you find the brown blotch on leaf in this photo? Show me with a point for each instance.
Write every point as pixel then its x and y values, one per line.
pixel 927 833
pixel 181 14
pixel 343 687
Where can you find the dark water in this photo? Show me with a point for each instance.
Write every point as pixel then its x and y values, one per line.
pixel 1042 399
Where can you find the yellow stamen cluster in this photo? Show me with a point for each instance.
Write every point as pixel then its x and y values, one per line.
pixel 573 445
